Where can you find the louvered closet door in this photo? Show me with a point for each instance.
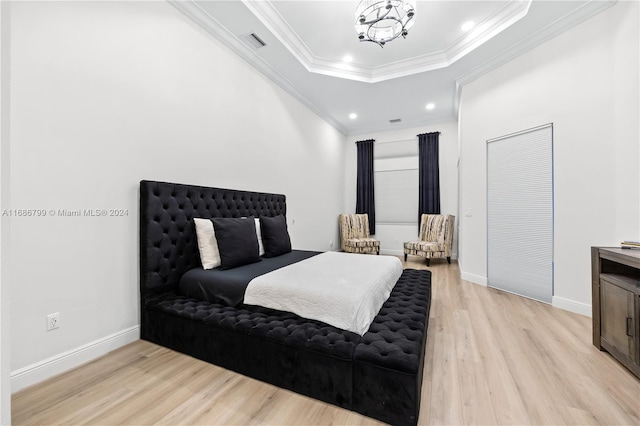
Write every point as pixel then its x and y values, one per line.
pixel 520 213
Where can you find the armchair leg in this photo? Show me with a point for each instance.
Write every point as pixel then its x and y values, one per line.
pixel 449 260
pixel 428 261
pixel 405 257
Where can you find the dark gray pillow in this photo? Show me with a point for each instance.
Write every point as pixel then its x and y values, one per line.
pixel 275 236
pixel 237 241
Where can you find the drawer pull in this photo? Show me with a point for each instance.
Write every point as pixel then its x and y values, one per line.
pixel 629 327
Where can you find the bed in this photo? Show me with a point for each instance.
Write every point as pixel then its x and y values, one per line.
pixel 378 374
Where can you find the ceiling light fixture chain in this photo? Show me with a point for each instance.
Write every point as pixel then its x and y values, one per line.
pixel 380 21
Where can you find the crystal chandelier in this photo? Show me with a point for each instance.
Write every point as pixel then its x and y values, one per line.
pixel 381 21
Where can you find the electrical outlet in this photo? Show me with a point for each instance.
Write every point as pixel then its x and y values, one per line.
pixel 53 321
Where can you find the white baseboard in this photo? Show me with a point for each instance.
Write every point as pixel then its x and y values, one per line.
pixel 401 253
pixel 391 252
pixel 473 278
pixel 556 301
pixel 57 364
pixel 571 306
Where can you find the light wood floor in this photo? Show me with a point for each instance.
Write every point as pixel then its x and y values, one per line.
pixel 491 358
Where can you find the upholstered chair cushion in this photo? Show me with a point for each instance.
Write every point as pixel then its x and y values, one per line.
pixel 424 246
pixel 435 239
pixel 362 242
pixel 354 234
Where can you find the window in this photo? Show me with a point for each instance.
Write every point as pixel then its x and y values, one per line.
pixel 396 186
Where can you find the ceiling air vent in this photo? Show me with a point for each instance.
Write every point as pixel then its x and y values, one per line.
pixel 395 120
pixel 253 41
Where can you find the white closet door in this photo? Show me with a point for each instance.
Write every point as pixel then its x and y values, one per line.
pixel 520 213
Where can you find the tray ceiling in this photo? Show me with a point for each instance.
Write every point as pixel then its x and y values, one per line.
pixel 307 40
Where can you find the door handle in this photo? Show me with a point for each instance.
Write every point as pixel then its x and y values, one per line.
pixel 629 327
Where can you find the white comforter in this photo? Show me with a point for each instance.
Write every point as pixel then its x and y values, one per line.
pixel 340 289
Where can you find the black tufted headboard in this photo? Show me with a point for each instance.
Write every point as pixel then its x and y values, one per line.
pixel 168 244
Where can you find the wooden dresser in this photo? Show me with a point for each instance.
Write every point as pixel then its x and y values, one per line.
pixel 616 304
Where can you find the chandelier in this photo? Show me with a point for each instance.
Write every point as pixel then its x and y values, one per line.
pixel 380 21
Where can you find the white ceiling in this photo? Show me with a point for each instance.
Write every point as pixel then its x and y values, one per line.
pixel 306 41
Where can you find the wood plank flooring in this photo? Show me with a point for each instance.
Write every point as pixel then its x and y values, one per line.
pixel 491 358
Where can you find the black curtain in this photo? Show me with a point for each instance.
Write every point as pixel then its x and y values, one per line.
pixel 365 201
pixel 429 174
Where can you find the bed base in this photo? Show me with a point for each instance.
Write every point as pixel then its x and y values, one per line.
pixel 378 374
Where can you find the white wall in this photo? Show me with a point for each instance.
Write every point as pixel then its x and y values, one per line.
pixel 104 94
pixel 638 121
pixel 393 236
pixel 585 82
pixel 5 353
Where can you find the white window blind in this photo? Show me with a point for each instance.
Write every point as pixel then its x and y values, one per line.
pixel 396 196
pixel 520 213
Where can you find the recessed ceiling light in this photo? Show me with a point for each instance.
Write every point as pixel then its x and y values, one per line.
pixel 347 58
pixel 430 106
pixel 468 25
pixel 353 116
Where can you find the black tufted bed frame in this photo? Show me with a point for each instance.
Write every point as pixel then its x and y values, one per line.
pixel 378 374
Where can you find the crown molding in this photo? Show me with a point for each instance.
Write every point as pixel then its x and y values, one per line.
pixel 499 21
pixel 442 117
pixel 546 33
pixel 207 22
pixel 275 23
pixel 555 28
pixel 511 13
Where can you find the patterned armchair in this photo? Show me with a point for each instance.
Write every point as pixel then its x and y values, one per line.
pixel 436 238
pixel 354 234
